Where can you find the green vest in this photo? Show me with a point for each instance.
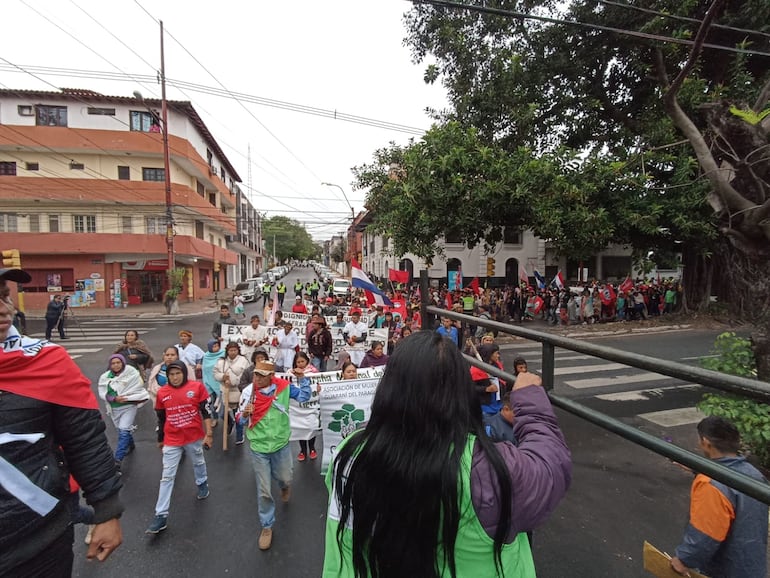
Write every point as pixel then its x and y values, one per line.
pixel 266 289
pixel 468 302
pixel 272 432
pixel 298 286
pixel 474 549
pixel 281 288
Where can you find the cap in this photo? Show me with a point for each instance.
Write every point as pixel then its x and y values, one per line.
pixel 298 297
pixel 185 332
pixel 355 311
pixel 264 368
pixel 329 300
pixel 18 275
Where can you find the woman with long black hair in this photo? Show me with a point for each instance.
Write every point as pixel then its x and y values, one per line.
pixel 421 490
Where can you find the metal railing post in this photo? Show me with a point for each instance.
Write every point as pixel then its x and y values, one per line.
pixel 547 367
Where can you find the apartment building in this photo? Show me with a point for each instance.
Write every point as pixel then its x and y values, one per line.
pixel 83 198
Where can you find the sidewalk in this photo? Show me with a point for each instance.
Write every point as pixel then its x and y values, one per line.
pixel 200 307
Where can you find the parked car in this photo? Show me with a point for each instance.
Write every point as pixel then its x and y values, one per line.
pixel 249 290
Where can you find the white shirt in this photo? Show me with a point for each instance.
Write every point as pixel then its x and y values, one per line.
pixel 287 342
pixel 257 335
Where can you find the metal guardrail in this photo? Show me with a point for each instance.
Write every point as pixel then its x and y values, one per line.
pixel 738 385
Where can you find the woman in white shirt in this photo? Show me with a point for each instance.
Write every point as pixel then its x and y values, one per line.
pixel 287 343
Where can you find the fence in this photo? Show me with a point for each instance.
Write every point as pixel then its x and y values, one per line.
pixel 746 387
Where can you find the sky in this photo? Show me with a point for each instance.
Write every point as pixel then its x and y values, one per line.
pixel 338 55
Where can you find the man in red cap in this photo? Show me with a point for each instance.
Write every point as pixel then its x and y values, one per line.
pixel 355 333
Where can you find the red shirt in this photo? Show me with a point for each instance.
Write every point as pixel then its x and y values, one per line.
pixel 184 423
pixel 299 308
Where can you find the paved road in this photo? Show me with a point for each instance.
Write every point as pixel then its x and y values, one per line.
pixel 621 494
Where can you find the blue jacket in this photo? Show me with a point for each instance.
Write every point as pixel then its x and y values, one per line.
pixel 726 535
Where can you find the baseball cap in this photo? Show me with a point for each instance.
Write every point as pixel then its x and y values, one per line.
pixel 17 275
pixel 355 311
pixel 298 297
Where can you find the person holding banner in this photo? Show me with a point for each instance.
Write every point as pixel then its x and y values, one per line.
pixel 301 367
pixel 355 333
pixel 263 410
pixel 422 491
pixel 376 356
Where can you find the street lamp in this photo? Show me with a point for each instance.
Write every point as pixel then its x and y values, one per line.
pixel 353 219
pixel 166 162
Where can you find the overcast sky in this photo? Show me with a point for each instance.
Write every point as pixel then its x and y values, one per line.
pixel 343 55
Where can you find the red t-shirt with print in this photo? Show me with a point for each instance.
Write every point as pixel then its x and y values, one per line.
pixel 184 423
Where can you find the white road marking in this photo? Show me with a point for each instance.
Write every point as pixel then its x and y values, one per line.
pixel 615 381
pixel 570 370
pixel 642 394
pixel 699 357
pixel 674 417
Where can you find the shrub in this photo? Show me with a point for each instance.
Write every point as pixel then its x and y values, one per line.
pixel 752 418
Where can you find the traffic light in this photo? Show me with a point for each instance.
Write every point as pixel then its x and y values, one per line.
pixel 490 266
pixel 11 259
pixel 216 265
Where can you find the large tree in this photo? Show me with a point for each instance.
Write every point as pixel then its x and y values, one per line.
pixel 662 144
pixel 285 239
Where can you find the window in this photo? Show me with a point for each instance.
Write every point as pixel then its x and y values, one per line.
pixel 34 223
pixel 453 237
pixel 198 229
pixel 127 223
pixel 124 173
pixel 144 121
pixel 84 223
pixel 74 166
pixel 25 110
pixel 53 223
pixel 205 279
pixel 155 225
pixel 200 188
pixel 512 235
pixel 42 279
pixel 151 174
pixel 213 199
pixel 8 168
pixel 50 115
pixel 222 173
pixel 8 223
pixel 33 166
pixel 101 111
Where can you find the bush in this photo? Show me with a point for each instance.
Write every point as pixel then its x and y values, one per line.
pixel 752 418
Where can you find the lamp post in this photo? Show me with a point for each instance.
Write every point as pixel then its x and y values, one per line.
pixel 350 230
pixel 166 162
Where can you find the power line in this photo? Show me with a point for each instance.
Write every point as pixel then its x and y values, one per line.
pixel 622 31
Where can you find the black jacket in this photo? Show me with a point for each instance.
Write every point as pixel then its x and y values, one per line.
pixel 73 442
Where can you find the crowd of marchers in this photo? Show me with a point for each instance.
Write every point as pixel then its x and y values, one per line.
pixel 435 421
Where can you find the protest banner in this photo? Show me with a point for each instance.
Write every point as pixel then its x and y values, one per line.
pixel 345 407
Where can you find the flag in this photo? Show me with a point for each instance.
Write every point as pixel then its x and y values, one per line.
pixel 626 286
pixel 523 275
pixel 361 281
pixel 607 295
pixel 540 280
pixel 448 299
pixel 398 276
pixel 273 311
pixel 474 284
pixel 558 280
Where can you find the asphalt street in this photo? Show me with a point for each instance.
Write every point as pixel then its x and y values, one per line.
pixel 621 494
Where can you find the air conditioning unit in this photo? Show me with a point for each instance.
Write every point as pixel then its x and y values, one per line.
pixel 26 110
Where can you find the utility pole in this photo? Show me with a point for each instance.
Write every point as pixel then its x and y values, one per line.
pixel 166 161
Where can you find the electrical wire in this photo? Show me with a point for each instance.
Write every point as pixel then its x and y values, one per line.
pixel 550 20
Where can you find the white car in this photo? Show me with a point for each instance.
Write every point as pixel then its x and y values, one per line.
pixel 342 287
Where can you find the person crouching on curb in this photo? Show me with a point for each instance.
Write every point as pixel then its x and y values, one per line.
pixel 264 411
pixel 183 408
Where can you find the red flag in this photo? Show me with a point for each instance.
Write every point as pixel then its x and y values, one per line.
pixel 523 277
pixel 475 285
pixel 627 285
pixel 448 300
pixel 607 295
pixel 398 276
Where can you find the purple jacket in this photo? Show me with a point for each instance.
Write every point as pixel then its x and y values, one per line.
pixel 540 467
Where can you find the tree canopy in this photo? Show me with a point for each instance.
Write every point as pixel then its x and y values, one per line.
pixel 285 239
pixel 596 121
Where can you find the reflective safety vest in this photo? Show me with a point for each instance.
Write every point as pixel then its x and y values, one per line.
pixel 281 288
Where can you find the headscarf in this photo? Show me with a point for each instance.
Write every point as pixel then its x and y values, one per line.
pixel 210 345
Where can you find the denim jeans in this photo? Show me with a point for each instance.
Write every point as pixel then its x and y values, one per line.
pixel 171 457
pixel 277 465
pixel 123 417
pixel 319 363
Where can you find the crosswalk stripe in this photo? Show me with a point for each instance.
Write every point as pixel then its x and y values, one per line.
pixel 617 380
pixel 79 350
pixel 674 417
pixel 643 394
pixel 573 369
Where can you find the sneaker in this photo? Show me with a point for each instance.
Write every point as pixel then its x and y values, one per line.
pixel 265 538
pixel 203 491
pixel 285 494
pixel 239 441
pixel 301 457
pixel 313 454
pixel 118 467
pixel 89 534
pixel 157 526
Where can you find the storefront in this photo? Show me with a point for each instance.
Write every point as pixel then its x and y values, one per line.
pixel 145 281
